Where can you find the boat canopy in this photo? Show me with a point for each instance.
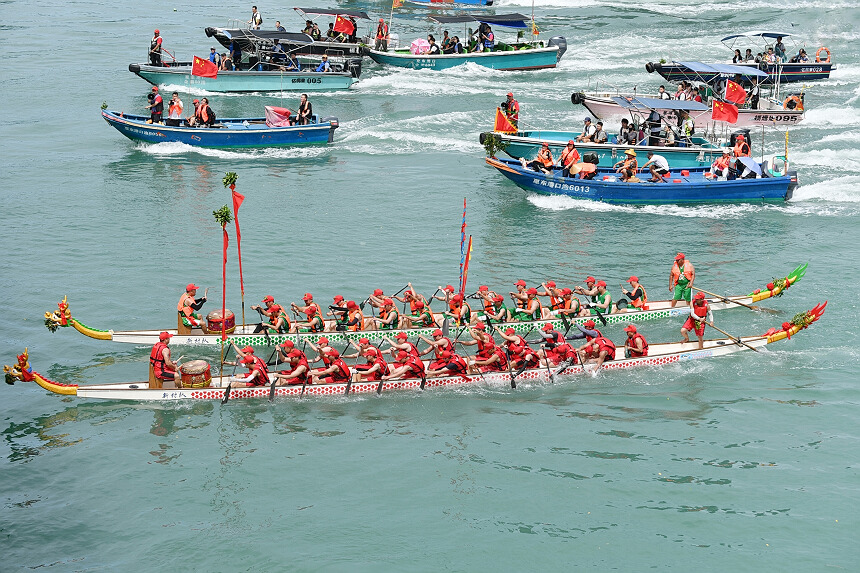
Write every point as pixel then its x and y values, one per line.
pixel 757 34
pixel 250 36
pixel 503 20
pixel 333 12
pixel 723 69
pixel 641 103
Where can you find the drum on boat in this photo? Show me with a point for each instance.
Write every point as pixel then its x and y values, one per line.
pixel 214 320
pixel 195 374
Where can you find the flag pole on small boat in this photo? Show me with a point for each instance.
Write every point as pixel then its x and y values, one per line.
pixel 230 181
pixel 222 217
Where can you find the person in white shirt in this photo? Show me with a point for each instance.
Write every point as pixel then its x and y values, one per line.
pixel 588 131
pixel 256 19
pixel 174 111
pixel 658 166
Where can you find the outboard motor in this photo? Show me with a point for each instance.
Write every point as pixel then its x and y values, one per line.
pixel 561 42
pixel 334 125
pixel 354 65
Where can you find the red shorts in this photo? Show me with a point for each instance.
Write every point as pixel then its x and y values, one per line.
pixel 690 326
pixel 437 365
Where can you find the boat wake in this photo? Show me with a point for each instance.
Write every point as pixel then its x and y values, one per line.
pixel 176 148
pixel 375 135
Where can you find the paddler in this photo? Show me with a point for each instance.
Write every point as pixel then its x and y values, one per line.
pixel 588 331
pixel 298 363
pixel 375 368
pixel 308 298
pixel 315 322
pixel 635 346
pixel 492 359
pixel 681 279
pixel 400 343
pixel 520 297
pixel 502 313
pixel 407 366
pixel 699 311
pixel 569 305
pixel 589 290
pixel 533 309
pixel 637 295
pixel 389 318
pixel 424 318
pixel 521 354
pixel 354 317
pixel 552 339
pixel 603 299
pixel 479 335
pixel 188 305
pixel 163 367
pixel 449 364
pixel 376 298
pixel 599 350
pixel 321 349
pixel 258 373
pixel 411 297
pixel 279 321
pixel 486 296
pixel 363 344
pixel 438 345
pixel 337 371
pixel 446 295
pixel 338 312
pixel 569 157
pixel 459 310
pixel 269 301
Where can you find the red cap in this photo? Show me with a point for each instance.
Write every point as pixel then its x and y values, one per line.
pixel 155 88
pixel 679 256
pixel 247 360
pixel 333 352
pixel 510 94
pixel 402 355
pixel 377 292
pixel 196 101
pixel 589 280
pixel 547 326
pixel 156 31
pixel 276 308
pixel 446 354
pixel 571 142
pixel 388 301
pixel 351 304
pixel 457 297
pixel 498 298
pixel 191 286
pixel 449 288
pixel 483 288
pixel 363 341
pixel 338 298
pixel 551 284
pixel 489 344
pixel 419 304
pixel 545 144
pixel 402 335
pixel 165 336
pixel 268 298
pixel 588 324
pixel 509 331
pixel 370 351
pixel 308 296
pixel 566 291
pixel 481 325
pixel 295 353
pixel 381 20
pixel 601 284
pixel 633 279
pixel 287 344
pixel 323 341
pixel 532 290
pixel 740 138
pixel 520 282
pixel 248 350
pixel 437 332
pixel 699 295
pixel 629 328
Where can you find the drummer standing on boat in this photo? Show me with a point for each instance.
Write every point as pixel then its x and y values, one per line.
pixel 188 305
pixel 681 279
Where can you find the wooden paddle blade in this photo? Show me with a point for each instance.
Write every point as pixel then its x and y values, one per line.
pixel 379 387
pixel 272 390
pixel 348 386
pixel 445 327
pixel 423 381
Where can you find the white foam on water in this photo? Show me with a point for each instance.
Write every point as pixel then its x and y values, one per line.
pixel 832 159
pixel 844 137
pixel 841 117
pixel 384 140
pixel 844 189
pixel 176 148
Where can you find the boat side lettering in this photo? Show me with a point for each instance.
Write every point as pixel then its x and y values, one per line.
pixel 307 80
pixel 562 186
pixel 174 396
pixel 769 118
pixel 696 354
pixel 811 70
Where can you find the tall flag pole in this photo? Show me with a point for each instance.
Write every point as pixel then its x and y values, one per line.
pixel 463 241
pixel 230 181
pixel 466 267
pixel 223 216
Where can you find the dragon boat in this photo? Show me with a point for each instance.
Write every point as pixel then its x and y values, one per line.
pixel 244 335
pixel 658 355
pixel 682 187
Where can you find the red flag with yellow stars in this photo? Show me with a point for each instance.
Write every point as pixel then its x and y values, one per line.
pixel 204 68
pixel 723 111
pixel 735 93
pixel 343 25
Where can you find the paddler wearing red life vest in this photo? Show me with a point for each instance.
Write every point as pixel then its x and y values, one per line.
pixel 588 331
pixel 375 368
pixel 258 373
pixel 599 350
pixel 552 339
pixel 637 295
pixel 479 335
pixel 635 345
pixel 521 354
pixel 407 366
pixel 491 359
pixel 449 364
pixel 164 368
pixel 336 371
pixel 569 157
pixel 400 343
pixel 681 279
pixel 698 318
pixel 297 362
pixel 438 345
pixel 363 344
pixel 188 305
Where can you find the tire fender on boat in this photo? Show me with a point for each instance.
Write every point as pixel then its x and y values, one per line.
pixel 649 67
pixel 576 98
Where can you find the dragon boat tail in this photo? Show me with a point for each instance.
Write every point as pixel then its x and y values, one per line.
pixel 658 355
pixel 245 335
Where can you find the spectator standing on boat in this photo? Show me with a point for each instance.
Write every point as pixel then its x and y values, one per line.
pixel 698 318
pixel 688 126
pixel 382 36
pixel 737 57
pixel 305 111
pixel 278 26
pixel 588 131
pixel 663 94
pixel 155 49
pixel 779 48
pixel 569 157
pixel 434 47
pixel 681 279
pixel 156 106
pixel 174 111
pixel 446 42
pixel 163 367
pixel 654 124
pixel 256 19
pixel 324 65
pixel 748 57
pixel 599 133
pixel 511 107
pixel 236 55
pixel 658 165
pixel 754 94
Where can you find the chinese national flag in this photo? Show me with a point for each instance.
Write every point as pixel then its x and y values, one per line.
pixel 723 111
pixel 204 68
pixel 341 24
pixel 735 93
pixel 396 4
pixel 502 124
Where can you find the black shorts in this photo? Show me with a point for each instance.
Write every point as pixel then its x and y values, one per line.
pixel 172 122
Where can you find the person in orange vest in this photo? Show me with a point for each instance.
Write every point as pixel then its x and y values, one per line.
pixel 569 157
pixel 636 346
pixel 637 295
pixel 205 115
pixel 382 36
pixel 699 311
pixel 720 166
pixel 543 163
pixel 308 299
pixel 174 111
pixel 388 318
pixel 742 148
pixel 159 358
pixel 681 279
pixel 511 107
pixel 628 166
pixel 459 310
pixel 188 305
pixel 520 298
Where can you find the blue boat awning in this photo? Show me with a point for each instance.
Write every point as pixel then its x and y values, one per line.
pixel 503 20
pixel 642 103
pixel 333 12
pixel 757 34
pixel 722 69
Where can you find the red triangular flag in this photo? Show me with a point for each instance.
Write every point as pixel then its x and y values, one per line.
pixel 502 124
pixel 723 111
pixel 341 24
pixel 204 68
pixel 237 202
pixel 735 93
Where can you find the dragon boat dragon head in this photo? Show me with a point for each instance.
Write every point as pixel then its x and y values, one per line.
pixel 800 321
pixel 20 371
pixel 60 317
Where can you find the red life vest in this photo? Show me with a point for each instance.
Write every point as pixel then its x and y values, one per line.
pixel 262 378
pixel 413 350
pixel 156 359
pixel 382 371
pixel 590 338
pixel 303 361
pixel 632 346
pixel 341 373
pixel 569 156
pixel 446 345
pixel 415 366
pixel 607 345
pixel 459 364
pixel 501 363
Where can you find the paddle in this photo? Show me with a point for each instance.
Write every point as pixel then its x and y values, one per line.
pixel 274 378
pixel 348 382
pixel 560 367
pixel 305 383
pixel 724 299
pixel 736 340
pixel 445 327
pixel 423 381
pixel 600 316
pixel 265 330
pixel 432 297
pixel 513 380
pixel 226 394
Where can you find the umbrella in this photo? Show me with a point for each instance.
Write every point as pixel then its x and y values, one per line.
pixel 420 46
pixel 751 164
